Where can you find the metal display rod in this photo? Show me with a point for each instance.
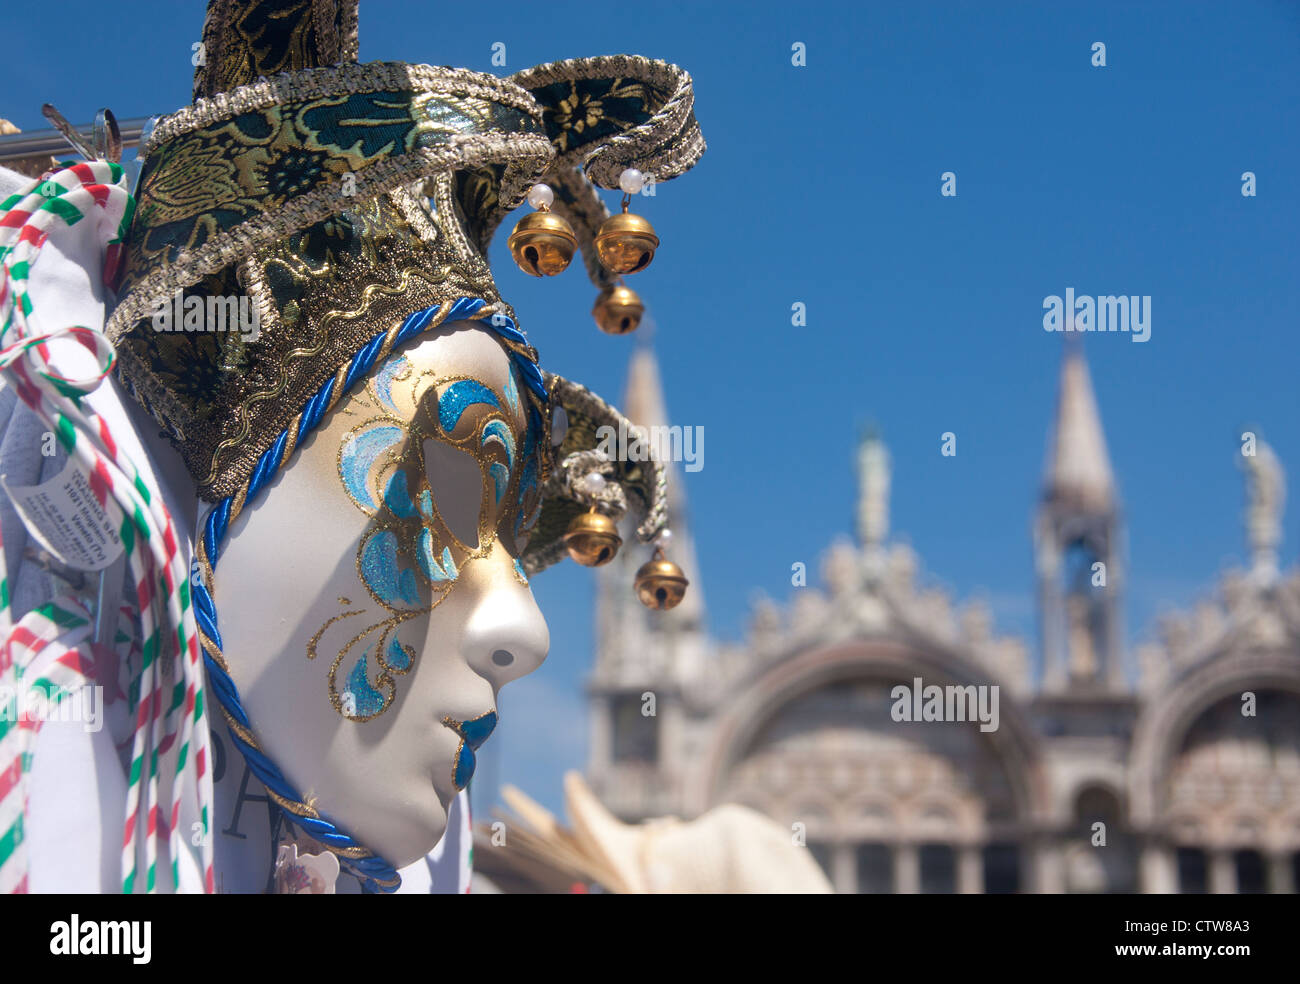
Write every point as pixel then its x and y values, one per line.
pixel 16 146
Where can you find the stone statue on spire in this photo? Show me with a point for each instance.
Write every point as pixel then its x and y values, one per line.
pixel 1265 497
pixel 873 489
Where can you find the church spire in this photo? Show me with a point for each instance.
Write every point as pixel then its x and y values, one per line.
pixel 644 405
pixel 1076 545
pixel 626 631
pixel 643 399
pixel 1078 474
pixel 646 661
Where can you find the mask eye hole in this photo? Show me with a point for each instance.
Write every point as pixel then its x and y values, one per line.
pixel 457 485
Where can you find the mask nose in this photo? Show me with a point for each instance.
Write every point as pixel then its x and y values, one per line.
pixel 506 637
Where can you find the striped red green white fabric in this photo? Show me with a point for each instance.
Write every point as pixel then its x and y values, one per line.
pixel 42 652
pixel 166 681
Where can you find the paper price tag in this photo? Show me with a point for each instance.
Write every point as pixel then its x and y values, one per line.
pixel 68 521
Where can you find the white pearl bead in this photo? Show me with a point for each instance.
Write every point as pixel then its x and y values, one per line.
pixel 594 482
pixel 631 181
pixel 665 537
pixel 540 196
pixel 559 426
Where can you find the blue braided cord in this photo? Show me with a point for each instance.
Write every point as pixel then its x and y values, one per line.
pixel 532 376
pixel 315 409
pixel 363 361
pixel 267 465
pixel 205 613
pixel 374 872
pixel 214 529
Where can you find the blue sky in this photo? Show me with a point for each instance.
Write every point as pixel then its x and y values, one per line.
pixel 822 185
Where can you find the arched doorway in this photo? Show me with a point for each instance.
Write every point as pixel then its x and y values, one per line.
pixel 1100 850
pixel 885 805
pixel 1230 795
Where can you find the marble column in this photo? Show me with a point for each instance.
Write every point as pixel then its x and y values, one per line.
pixel 1281 875
pixel 1223 873
pixel 600 750
pixel 1049 868
pixel 907 869
pixel 844 870
pixel 1158 874
pixel 970 870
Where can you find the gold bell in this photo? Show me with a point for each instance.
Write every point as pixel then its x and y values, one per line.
pixel 626 243
pixel 660 584
pixel 542 244
pixel 592 539
pixel 618 310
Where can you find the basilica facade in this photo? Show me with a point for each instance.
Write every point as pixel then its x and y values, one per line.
pixel 1181 776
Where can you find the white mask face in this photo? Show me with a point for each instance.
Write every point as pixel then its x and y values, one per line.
pixel 371 603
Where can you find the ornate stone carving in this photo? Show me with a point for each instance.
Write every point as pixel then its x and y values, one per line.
pixel 840 568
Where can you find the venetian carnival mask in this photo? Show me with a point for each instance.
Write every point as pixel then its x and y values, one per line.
pixel 400 527
pixel 385 460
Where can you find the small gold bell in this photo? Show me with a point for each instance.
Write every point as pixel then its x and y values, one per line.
pixel 592 539
pixel 626 242
pixel 618 310
pixel 660 584
pixel 542 244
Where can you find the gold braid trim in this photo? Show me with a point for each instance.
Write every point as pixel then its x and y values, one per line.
pixel 526 155
pixel 305 351
pixel 316 83
pixel 666 145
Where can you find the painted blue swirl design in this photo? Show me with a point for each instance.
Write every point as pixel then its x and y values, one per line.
pixel 366 700
pixel 498 432
pixel 399 656
pixel 528 474
pixel 429 563
pixel 434 570
pixel 358 456
pixel 500 479
pixel 391 583
pixel 385 376
pixel 398 498
pixel 406 554
pixel 459 397
pixel 512 392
